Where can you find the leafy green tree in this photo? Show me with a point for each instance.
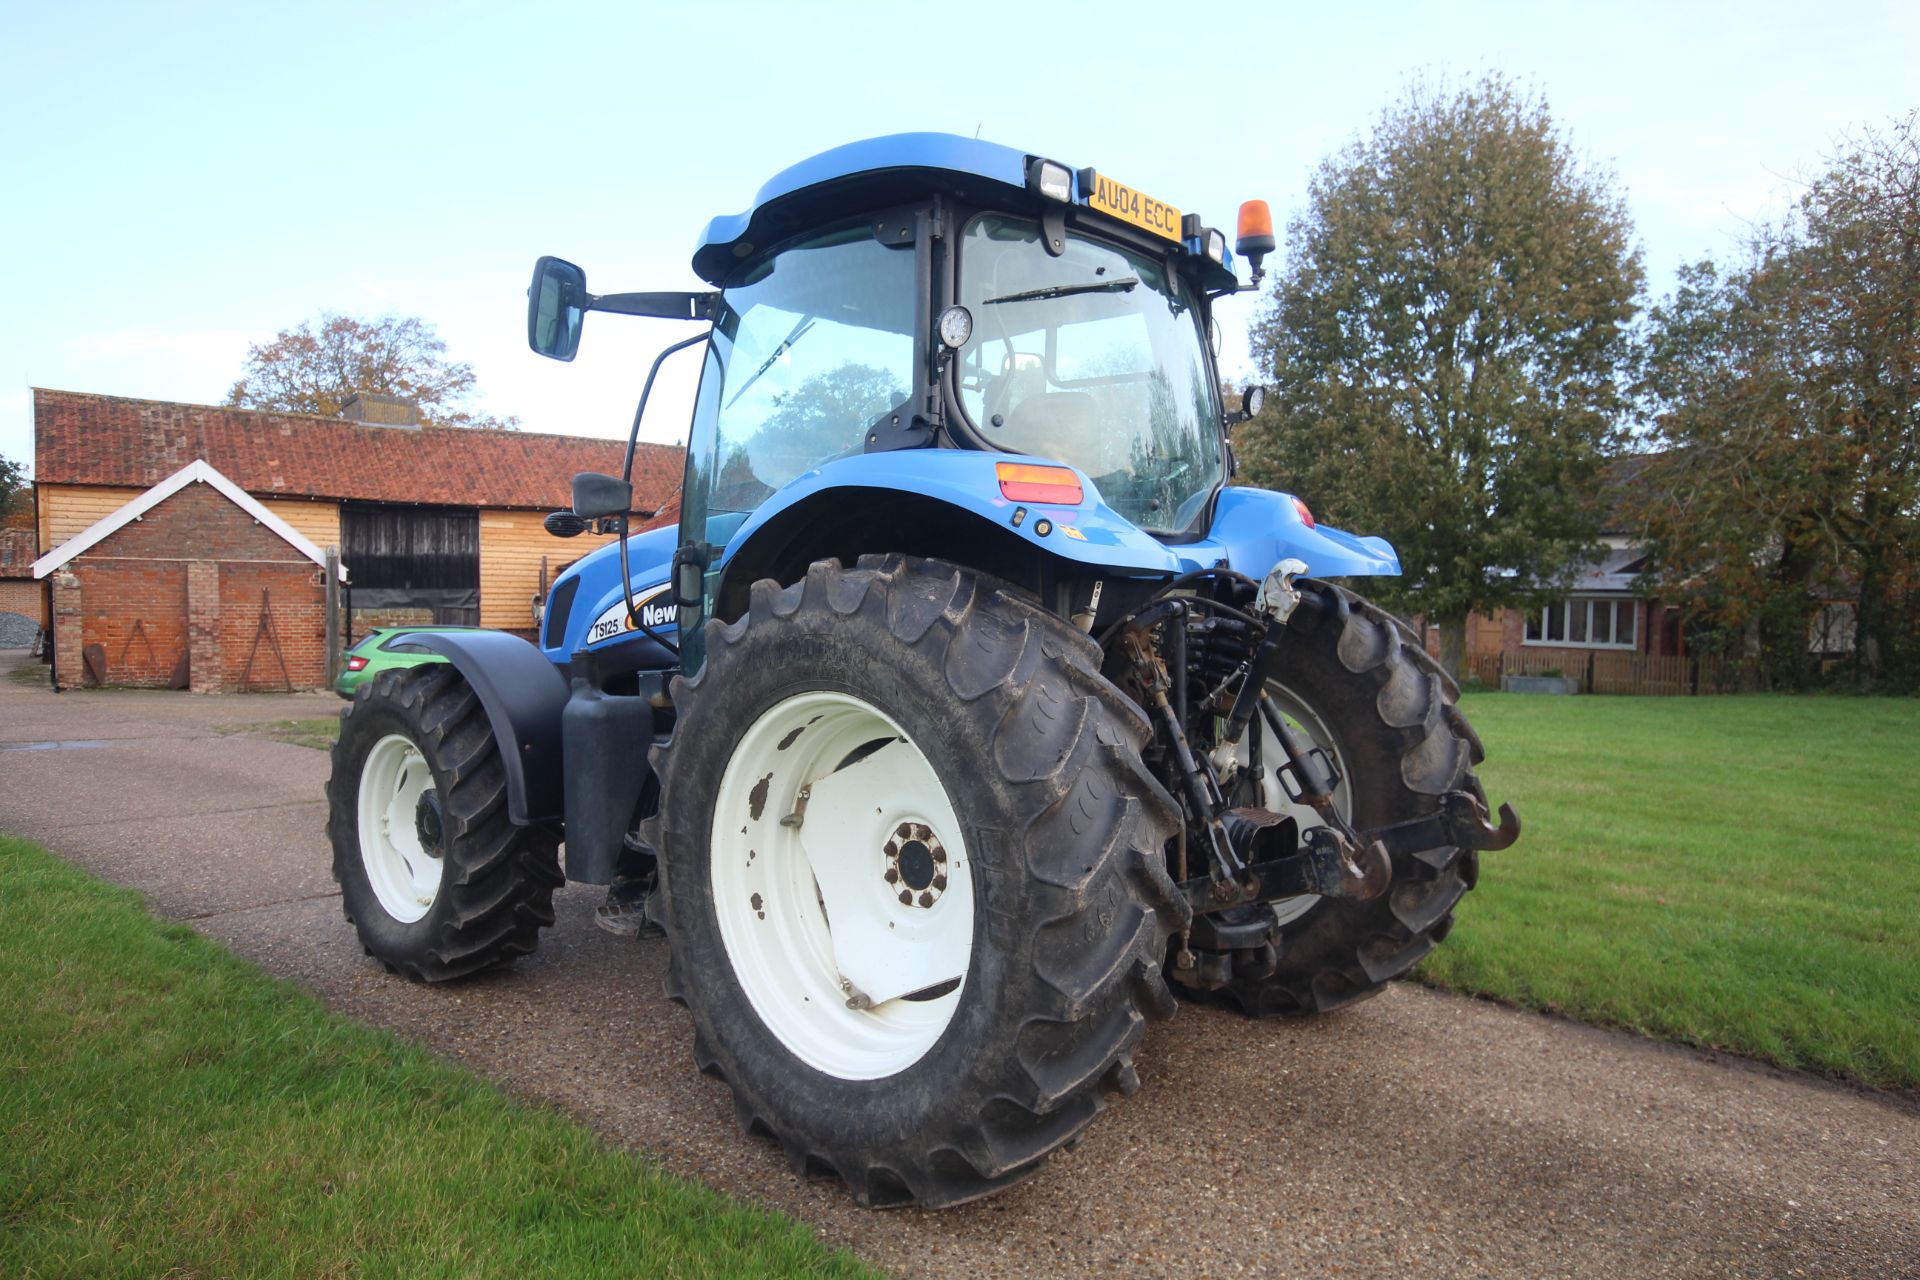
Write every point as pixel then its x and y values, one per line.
pixel 1785 394
pixel 1446 337
pixel 13 483
pixel 315 370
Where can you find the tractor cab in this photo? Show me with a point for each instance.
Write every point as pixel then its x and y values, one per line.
pixel 930 292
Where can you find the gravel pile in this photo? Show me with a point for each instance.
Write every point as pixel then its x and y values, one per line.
pixel 17 630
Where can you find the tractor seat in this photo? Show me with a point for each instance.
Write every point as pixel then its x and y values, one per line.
pixel 1059 424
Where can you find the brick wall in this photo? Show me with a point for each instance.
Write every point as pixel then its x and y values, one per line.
pixel 24 596
pixel 297 596
pixel 190 573
pixel 135 611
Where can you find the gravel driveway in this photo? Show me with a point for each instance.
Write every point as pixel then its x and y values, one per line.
pixel 1419 1133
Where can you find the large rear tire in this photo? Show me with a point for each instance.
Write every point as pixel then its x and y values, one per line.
pixel 433 876
pixel 913 877
pixel 1354 682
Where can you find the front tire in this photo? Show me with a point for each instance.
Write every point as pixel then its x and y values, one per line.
pixel 434 877
pixel 912 727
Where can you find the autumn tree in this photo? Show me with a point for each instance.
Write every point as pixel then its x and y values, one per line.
pixel 1785 396
pixel 315 369
pixel 1446 337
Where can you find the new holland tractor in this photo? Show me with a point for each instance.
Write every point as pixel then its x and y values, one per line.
pixel 968 715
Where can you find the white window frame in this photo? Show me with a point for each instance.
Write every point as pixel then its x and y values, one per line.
pixel 1566 608
pixel 1832 628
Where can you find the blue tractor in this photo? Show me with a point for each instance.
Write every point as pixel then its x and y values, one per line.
pixel 967 715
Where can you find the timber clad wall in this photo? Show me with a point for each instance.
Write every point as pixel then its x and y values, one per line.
pixel 511 544
pixel 66 510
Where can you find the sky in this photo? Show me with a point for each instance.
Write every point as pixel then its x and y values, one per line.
pixel 183 180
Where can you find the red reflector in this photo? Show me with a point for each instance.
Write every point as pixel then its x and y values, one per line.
pixel 356 663
pixel 1306 516
pixel 1027 482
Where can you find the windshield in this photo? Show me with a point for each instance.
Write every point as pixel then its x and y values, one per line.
pixel 806 352
pixel 1095 358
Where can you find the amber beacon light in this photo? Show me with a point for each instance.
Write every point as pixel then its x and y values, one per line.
pixel 1253 239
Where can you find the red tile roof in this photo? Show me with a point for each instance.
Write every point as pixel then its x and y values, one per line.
pixel 111 440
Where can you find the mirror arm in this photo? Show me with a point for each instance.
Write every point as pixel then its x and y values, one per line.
pixel 646 389
pixel 662 306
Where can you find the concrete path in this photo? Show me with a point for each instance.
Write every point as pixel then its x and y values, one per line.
pixel 1419 1134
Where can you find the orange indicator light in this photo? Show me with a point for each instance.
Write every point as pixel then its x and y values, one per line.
pixel 1028 482
pixel 1306 516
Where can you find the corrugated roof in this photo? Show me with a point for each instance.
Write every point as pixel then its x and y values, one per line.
pixel 112 440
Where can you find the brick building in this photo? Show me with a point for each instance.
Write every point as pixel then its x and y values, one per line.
pixel 1606 611
pixel 432 524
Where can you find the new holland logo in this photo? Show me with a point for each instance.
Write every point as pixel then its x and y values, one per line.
pixel 655 607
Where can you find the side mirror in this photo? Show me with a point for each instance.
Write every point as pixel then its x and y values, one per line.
pixel 598 495
pixel 556 305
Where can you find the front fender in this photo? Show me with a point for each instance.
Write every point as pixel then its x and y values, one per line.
pixel 524 696
pixel 1255 529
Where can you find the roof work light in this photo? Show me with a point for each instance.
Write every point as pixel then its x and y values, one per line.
pixel 1051 179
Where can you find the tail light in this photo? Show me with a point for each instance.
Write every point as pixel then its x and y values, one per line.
pixel 1029 482
pixel 356 662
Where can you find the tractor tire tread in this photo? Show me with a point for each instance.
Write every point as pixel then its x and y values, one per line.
pixel 1063 744
pixel 497 883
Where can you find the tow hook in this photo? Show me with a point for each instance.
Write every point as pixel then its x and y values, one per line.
pixel 1460 822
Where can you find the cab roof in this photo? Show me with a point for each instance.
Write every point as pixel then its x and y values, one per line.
pixel 866 174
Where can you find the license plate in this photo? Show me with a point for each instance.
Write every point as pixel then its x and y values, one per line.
pixel 1121 201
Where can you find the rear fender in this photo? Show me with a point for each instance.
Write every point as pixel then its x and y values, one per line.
pixel 943 503
pixel 524 696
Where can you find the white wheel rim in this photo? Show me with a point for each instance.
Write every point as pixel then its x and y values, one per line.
pixel 403 869
pixel 810 822
pixel 1302 718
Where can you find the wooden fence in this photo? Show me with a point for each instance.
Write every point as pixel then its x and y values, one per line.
pixel 1635 673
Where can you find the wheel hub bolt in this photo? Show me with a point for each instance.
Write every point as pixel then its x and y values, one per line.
pixel 916 864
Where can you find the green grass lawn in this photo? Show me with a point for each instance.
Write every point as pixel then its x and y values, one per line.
pixel 1735 872
pixel 31 674
pixel 167 1110
pixel 317 733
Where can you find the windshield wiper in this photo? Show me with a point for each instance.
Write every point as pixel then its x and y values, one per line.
pixel 799 332
pixel 1120 284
